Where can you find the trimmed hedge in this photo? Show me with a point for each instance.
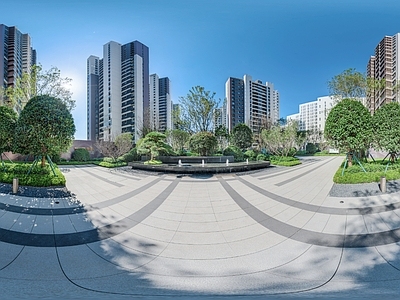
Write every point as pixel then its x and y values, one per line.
pixel 39 177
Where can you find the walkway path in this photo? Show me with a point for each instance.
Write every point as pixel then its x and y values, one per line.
pixel 274 232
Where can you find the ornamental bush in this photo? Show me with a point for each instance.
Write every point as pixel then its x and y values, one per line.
pixel 203 142
pixel 235 152
pixel 81 154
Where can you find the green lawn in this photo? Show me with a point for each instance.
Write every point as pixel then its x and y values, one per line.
pixel 374 172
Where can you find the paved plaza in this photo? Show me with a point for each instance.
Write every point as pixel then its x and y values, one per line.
pixel 275 232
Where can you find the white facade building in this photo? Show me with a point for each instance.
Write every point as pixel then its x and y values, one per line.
pixel 160 103
pixel 312 115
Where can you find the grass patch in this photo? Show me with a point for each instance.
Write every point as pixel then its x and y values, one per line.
pixel 375 170
pixel 153 162
pixel 39 177
pixel 288 161
pixel 107 164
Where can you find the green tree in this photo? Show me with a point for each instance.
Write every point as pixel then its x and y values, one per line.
pixel 349 127
pixel 203 142
pixel 386 122
pixel 45 127
pixel 241 136
pixel 8 121
pixel 177 138
pixel 348 84
pixel 153 143
pixel 222 135
pixel 197 110
pixel 41 82
pixel 282 141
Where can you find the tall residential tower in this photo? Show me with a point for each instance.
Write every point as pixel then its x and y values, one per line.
pixel 251 102
pixel 384 65
pixel 16 55
pixel 118 91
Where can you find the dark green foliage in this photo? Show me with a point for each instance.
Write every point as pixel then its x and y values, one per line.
pixel 250 154
pixel 204 142
pixel 132 155
pixel 375 170
pixel 261 157
pixel 177 139
pixel 8 121
pixel 287 161
pixel 235 152
pixel 386 122
pixel 81 154
pixel 349 126
pixel 311 148
pixel 154 144
pixel 39 176
pixel 45 127
pixel 242 136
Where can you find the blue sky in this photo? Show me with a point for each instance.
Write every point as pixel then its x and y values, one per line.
pixel 296 44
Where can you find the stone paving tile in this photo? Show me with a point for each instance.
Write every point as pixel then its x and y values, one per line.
pixel 226 234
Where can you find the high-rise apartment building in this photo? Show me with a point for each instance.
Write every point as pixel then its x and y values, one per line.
pixel 118 91
pixel 384 65
pixel 312 115
pixel 160 103
pixel 251 102
pixel 16 55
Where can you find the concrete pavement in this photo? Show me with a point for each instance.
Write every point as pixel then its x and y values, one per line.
pixel 273 233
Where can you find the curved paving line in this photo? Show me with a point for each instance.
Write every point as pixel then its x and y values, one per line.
pixel 302 174
pixel 76 209
pixel 308 236
pixel 88 236
pixel 322 209
pixel 103 179
pixel 295 168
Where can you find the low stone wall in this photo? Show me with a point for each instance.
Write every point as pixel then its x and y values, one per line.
pixel 193 159
pixel 198 169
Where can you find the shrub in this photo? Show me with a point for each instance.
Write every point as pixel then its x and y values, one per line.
pixel 81 155
pixel 153 162
pixel 235 152
pixel 203 142
pixel 311 148
pixel 261 157
pixel 39 176
pixel 132 155
pixel 250 154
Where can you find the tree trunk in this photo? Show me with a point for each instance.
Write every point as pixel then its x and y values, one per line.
pixel 43 161
pixel 350 159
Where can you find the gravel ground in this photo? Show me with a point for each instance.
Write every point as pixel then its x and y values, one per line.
pixel 37 192
pixel 363 189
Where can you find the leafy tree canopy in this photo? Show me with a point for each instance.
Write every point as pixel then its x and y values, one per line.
pixel 8 121
pixel 386 122
pixel 198 110
pixel 177 138
pixel 242 136
pixel 154 144
pixel 45 127
pixel 203 142
pixel 349 126
pixel 282 141
pixel 348 84
pixel 41 82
